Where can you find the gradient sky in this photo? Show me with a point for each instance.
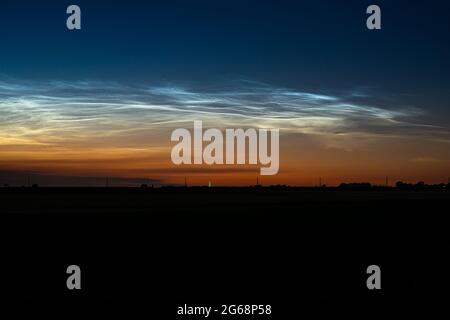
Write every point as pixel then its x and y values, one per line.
pixel 351 104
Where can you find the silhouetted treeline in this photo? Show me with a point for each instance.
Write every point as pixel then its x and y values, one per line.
pixel 421 186
pixel 356 186
pixel 343 186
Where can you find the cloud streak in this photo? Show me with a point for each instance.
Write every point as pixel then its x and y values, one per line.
pixel 57 112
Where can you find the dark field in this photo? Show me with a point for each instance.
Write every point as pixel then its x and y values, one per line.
pixel 224 245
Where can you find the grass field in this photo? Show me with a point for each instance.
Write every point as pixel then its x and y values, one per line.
pixel 229 243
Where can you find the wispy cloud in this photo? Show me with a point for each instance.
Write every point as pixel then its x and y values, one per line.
pixel 56 112
pixel 426 160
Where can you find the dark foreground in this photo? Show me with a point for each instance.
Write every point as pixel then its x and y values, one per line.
pixel 217 246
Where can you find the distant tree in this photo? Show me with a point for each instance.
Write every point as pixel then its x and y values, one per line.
pixel 399 184
pixel 420 184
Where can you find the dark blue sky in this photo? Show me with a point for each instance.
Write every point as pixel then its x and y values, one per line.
pixel 319 46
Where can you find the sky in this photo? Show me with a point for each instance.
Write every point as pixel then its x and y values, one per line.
pixel 351 104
